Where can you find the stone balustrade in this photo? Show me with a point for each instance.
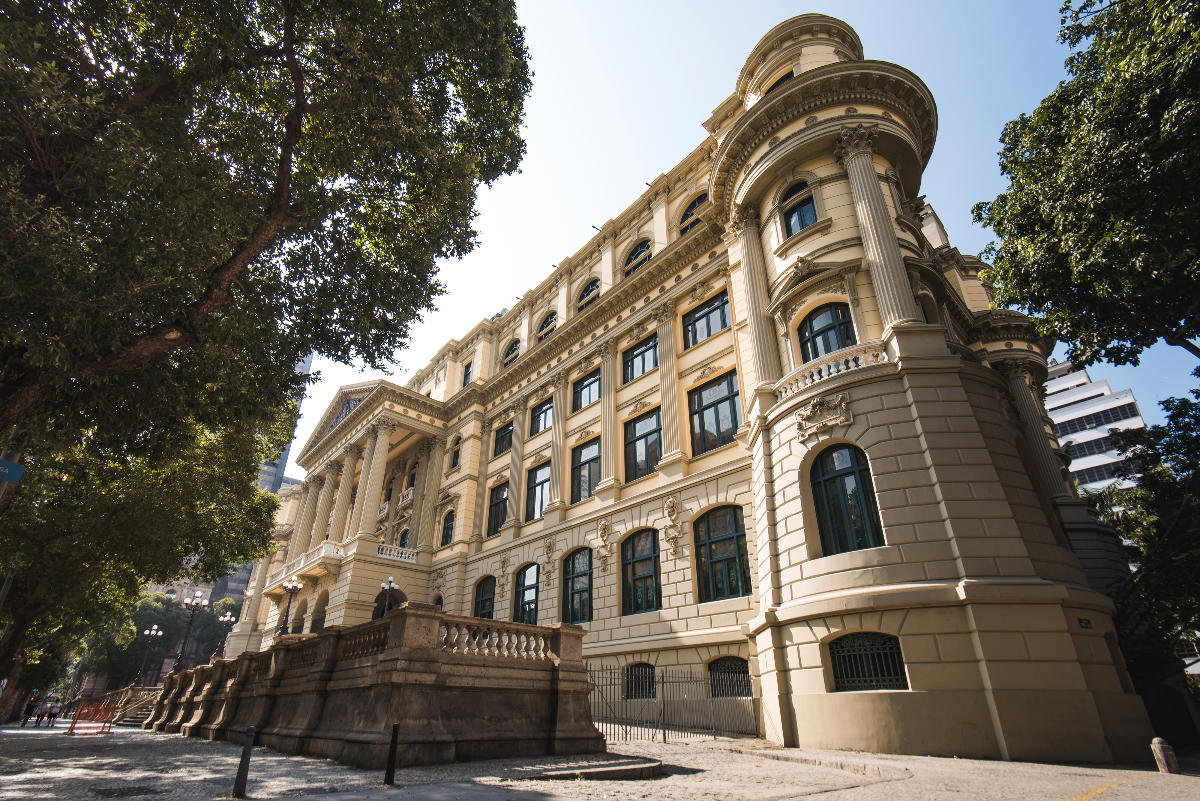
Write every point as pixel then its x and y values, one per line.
pixel 830 365
pixel 397 553
pixel 461 688
pixel 324 550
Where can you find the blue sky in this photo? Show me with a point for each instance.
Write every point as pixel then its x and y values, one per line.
pixel 621 90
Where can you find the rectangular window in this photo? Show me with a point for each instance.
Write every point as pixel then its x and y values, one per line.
pixel 716 413
pixel 542 416
pixel 705 320
pixel 503 439
pixel 641 358
pixel 586 390
pixel 643 445
pixel 585 470
pixel 577 586
pixel 1113 415
pixel 539 491
pixel 497 508
pixel 467 373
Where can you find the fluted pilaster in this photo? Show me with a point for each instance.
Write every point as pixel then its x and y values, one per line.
pixel 320 527
pixel 380 436
pixel 754 268
pixel 1046 465
pixel 516 488
pixel 664 314
pixel 558 438
pixel 304 523
pixel 608 410
pixel 341 506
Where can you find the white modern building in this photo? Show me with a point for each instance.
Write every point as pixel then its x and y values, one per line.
pixel 1085 412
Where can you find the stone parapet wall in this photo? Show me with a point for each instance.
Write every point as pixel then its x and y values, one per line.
pixel 460 688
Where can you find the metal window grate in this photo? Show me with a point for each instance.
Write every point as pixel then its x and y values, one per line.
pixel 867 661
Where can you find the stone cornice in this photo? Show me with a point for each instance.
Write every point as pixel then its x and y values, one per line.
pixel 792 32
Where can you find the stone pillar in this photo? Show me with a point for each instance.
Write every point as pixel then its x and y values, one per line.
pixel 664 314
pixel 1033 424
pixel 320 526
pixel 754 268
pixel 341 506
pixel 424 530
pixel 481 482
pixel 304 522
pixel 381 434
pixel 516 487
pixel 558 438
pixel 893 292
pixel 609 435
pixel 253 595
pixel 359 503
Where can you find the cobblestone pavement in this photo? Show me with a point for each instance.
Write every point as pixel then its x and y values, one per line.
pixel 41 764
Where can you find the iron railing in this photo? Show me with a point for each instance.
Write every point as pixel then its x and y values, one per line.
pixel 671 704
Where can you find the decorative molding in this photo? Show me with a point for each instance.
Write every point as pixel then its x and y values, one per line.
pixel 823 413
pixel 709 369
pixel 603 546
pixel 855 139
pixel 583 435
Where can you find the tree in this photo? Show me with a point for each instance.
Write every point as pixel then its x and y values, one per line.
pixel 197 195
pixel 95 525
pixel 1100 225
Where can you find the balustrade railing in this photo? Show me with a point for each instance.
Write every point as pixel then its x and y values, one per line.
pixel 829 365
pixel 363 642
pixel 397 553
pixel 479 637
pixel 326 549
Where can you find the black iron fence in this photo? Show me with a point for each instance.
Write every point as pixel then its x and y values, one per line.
pixel 639 702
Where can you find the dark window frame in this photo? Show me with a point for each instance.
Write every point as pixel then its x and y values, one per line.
pixel 797 209
pixel 582 384
pixel 547 326
pixel 702 317
pixel 641 683
pixel 867 660
pixel 633 438
pixel 484 601
pixel 641 576
pixel 729 677
pixel 639 256
pixel 447 528
pixel 640 355
pixel 847 517
pixel 721 571
pixel 816 337
pixel 466 373
pixel 701 414
pixel 502 441
pixel 578 465
pixel 537 494
pixel 525 609
pixel 588 295
pixel 497 508
pixel 456 453
pixel 577 587
pixel 688 220
pixel 541 416
pixel 511 353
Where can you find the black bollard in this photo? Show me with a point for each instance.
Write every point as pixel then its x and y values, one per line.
pixel 389 776
pixel 239 783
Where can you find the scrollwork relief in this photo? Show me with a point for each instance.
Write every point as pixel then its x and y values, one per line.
pixel 823 413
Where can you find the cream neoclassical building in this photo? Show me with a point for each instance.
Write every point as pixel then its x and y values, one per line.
pixel 765 421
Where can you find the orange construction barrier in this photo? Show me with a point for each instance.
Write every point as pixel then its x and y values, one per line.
pixel 96 718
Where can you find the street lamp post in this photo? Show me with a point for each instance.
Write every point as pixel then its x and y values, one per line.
pixel 193 605
pixel 291 587
pixel 151 636
pixel 226 621
pixel 388 588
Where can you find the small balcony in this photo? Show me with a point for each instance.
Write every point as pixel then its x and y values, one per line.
pixel 326 558
pixel 398 554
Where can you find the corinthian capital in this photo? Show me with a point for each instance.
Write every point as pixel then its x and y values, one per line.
pixel 855 139
pixel 743 217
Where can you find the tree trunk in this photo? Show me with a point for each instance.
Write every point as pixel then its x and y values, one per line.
pixel 13 696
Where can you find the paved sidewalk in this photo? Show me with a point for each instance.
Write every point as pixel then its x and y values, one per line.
pixel 41 764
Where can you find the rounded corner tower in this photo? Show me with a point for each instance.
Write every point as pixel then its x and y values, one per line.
pixel 923 564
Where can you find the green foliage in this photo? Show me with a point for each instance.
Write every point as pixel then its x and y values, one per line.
pixel 1159 518
pixel 1100 225
pixel 197 195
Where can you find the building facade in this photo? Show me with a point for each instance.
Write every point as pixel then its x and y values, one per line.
pixel 1084 413
pixel 765 423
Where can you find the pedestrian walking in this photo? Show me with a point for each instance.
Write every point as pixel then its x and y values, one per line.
pixel 30 708
pixel 55 711
pixel 42 710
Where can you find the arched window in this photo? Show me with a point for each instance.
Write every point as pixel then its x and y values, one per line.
pixel 298 617
pixel 437 601
pixel 688 220
pixel 797 208
pixel 549 322
pixel 456 452
pixel 639 681
pixel 637 258
pixel 525 604
pixel 722 569
pixel 511 352
pixel 825 330
pixel 485 597
pixel 577 586
pixel 787 76
pixel 588 295
pixel 387 601
pixel 867 660
pixel 639 572
pixel 318 616
pixel 404 538
pixel 448 528
pixel 844 498
pixel 729 677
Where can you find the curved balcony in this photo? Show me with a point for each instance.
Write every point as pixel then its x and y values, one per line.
pixel 833 364
pixel 325 558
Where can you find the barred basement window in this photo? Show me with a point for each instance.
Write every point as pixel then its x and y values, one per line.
pixel 867 661
pixel 639 681
pixel 729 677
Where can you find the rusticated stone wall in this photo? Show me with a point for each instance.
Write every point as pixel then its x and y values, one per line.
pixel 460 688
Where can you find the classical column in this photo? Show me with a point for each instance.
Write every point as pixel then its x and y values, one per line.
pixel 558 437
pixel 664 314
pixel 423 529
pixel 481 482
pixel 356 514
pixel 304 523
pixel 381 433
pixel 516 487
pixel 1045 463
pixel 754 268
pixel 893 293
pixel 320 526
pixel 253 595
pixel 341 506
pixel 608 411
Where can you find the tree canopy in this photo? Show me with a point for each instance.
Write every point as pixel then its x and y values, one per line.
pixel 197 195
pixel 1099 229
